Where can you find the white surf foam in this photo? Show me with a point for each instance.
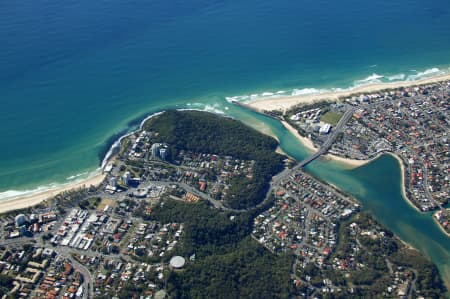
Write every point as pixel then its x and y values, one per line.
pixel 397 77
pixel 425 74
pixel 306 91
pixel 214 108
pixel 72 177
pixel 116 144
pixel 374 78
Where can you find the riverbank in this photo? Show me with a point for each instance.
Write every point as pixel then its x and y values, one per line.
pixel 284 103
pixel 403 181
pixel 352 163
pixel 439 224
pixel 27 201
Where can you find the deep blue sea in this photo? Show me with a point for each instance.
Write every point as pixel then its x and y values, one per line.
pixel 74 73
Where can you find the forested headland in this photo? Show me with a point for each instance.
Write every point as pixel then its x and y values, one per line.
pixel 203 132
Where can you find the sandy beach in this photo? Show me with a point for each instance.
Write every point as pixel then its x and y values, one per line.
pixel 351 163
pixel 34 199
pixel 287 102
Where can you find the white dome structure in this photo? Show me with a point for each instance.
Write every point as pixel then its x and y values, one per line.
pixel 177 262
pixel 20 220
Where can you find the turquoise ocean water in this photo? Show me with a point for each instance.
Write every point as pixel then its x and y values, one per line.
pixel 75 73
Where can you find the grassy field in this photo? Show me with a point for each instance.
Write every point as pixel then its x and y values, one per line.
pixel 331 118
pixel 106 202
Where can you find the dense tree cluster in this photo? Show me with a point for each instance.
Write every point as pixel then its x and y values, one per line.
pixel 207 231
pixel 203 132
pixel 228 262
pixel 5 284
pixel 249 271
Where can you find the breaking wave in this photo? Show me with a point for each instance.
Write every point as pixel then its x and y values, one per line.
pixel 116 145
pixel 426 74
pixel 72 177
pixel 398 77
pixel 374 78
pixel 214 108
pixel 304 91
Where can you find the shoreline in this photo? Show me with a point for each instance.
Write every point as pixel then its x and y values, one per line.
pixel 284 103
pixel 116 144
pixel 27 201
pixel 439 224
pixel 403 179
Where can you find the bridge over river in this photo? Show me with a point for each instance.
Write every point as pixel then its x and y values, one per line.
pixel 330 140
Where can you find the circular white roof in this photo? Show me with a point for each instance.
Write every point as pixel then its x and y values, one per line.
pixel 177 262
pixel 20 217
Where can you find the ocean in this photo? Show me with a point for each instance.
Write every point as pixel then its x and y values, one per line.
pixel 75 75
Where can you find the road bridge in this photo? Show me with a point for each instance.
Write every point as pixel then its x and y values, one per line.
pixel 330 140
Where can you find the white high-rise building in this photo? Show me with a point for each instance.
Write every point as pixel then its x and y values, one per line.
pixel 163 153
pixel 155 150
pixel 126 178
pixel 113 182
